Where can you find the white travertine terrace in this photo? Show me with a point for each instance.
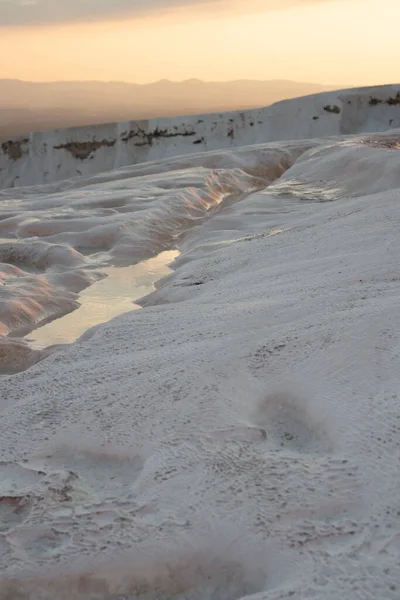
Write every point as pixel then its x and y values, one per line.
pixel 66 153
pixel 239 436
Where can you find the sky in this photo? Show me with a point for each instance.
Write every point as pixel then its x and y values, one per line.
pixel 334 42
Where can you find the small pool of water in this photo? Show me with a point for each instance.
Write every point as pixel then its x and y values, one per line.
pixel 105 300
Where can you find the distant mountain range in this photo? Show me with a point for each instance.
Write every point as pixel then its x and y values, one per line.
pixel 29 106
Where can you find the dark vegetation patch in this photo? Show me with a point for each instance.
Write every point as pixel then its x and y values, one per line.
pixel 332 108
pixel 82 150
pixel 392 101
pixel 15 148
pixel 145 138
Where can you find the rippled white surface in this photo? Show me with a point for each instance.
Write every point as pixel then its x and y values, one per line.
pixel 58 240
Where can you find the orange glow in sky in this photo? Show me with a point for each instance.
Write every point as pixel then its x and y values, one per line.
pixel 343 42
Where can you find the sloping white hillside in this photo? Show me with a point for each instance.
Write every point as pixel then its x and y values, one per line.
pixel 238 437
pixel 63 154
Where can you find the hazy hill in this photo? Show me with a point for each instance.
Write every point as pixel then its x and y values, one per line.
pixel 30 106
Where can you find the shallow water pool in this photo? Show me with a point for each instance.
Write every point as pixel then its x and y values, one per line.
pixel 104 300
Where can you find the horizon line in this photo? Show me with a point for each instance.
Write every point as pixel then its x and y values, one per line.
pixel 166 80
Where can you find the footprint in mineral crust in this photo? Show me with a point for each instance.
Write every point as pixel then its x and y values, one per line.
pixel 223 573
pixel 292 426
pixel 15 478
pixel 13 511
pixel 38 542
pixel 103 472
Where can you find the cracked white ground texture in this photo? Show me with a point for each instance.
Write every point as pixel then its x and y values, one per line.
pixel 238 436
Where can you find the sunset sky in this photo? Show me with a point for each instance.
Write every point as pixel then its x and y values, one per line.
pixel 343 42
